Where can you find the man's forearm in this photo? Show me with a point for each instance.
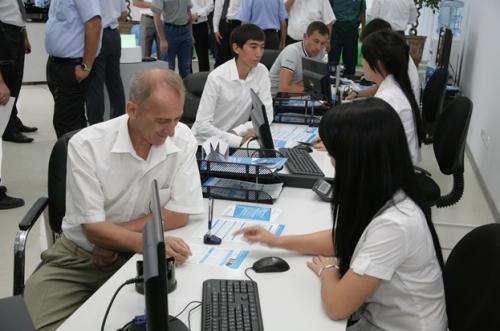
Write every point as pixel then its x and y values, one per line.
pixel 92 38
pixel 159 26
pixel 171 220
pixel 141 4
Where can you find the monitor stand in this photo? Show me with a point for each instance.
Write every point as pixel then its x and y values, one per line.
pixel 174 324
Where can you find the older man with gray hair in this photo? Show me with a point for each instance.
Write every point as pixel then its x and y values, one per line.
pixel 109 172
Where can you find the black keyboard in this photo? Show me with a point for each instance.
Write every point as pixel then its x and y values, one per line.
pixel 300 162
pixel 231 305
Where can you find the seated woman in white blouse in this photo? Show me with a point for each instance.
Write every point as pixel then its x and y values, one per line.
pixel 382 258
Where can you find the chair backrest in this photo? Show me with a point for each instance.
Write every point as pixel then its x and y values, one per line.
pixel 433 96
pixel 472 281
pixel 194 83
pixel 269 57
pixel 57 181
pixel 450 135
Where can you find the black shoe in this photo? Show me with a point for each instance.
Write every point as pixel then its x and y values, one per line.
pixel 3 190
pixel 23 128
pixel 17 137
pixel 7 202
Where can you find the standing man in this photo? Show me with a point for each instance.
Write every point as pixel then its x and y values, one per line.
pixel 72 40
pixel 200 12
pixel 345 32
pixel 148 31
pixel 174 32
pixel 301 13
pixel 399 13
pixel 107 66
pixel 270 16
pixel 225 21
pixel 14 45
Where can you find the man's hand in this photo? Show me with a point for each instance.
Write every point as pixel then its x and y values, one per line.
pixel 318 144
pixel 163 46
pixel 194 17
pixel 27 45
pixel 4 93
pixel 256 234
pixel 103 257
pixel 80 74
pixel 250 134
pixel 177 248
pixel 218 37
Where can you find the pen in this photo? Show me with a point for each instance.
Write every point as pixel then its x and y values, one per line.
pixel 210 214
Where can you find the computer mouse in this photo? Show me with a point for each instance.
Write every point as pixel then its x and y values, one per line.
pixel 270 264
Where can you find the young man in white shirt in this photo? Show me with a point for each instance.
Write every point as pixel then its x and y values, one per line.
pixel 286 72
pixel 226 103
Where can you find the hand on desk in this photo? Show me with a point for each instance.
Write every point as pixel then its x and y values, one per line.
pixel 103 257
pixel 177 248
pixel 318 144
pixel 256 234
pixel 250 134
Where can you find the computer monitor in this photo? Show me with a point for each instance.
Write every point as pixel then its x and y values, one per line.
pixel 444 48
pixel 260 123
pixel 316 77
pixel 155 275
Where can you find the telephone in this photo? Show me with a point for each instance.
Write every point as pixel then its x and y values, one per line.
pixel 324 189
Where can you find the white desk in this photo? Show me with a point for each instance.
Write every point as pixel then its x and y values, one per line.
pixel 289 301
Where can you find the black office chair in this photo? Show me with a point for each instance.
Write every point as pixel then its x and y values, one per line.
pixel 56 203
pixel 471 281
pixel 432 102
pixel 269 57
pixel 194 84
pixel 449 148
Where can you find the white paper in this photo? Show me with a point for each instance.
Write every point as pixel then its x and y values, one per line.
pixel 5 111
pixel 217 256
pixel 252 212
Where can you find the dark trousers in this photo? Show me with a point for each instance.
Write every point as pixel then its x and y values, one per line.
pixel 344 40
pixel 106 69
pixel 289 40
pixel 201 44
pixel 180 46
pixel 272 39
pixel 69 95
pixel 12 56
pixel 225 51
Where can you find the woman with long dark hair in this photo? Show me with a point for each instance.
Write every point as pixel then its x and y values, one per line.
pixel 382 258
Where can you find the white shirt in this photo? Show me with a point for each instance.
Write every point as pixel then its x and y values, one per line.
pixel 146 11
pixel 108 181
pixel 304 12
pixel 111 11
pixel 390 92
pixel 226 103
pixel 397 248
pixel 399 13
pixel 202 8
pixel 414 78
pixel 10 13
pixel 232 12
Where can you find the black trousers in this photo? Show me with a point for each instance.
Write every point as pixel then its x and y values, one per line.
pixel 201 44
pixel 225 29
pixel 68 93
pixel 12 54
pixel 344 41
pixel 272 39
pixel 106 70
pixel 289 40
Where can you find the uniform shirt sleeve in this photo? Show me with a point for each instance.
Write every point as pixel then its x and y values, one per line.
pixel 88 9
pixel 283 15
pixel 289 59
pixel 207 8
pixel 245 12
pixel 123 6
pixel 84 195
pixel 217 14
pixel 413 12
pixel 328 15
pixel 157 6
pixel 383 248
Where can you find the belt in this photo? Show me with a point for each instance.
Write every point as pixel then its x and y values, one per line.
pixel 56 59
pixel 12 27
pixel 148 16
pixel 109 28
pixel 233 21
pixel 177 25
pixel 271 30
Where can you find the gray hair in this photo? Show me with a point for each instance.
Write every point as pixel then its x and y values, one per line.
pixel 144 83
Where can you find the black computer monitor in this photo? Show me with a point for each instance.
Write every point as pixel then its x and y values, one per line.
pixel 155 275
pixel 444 48
pixel 260 123
pixel 316 77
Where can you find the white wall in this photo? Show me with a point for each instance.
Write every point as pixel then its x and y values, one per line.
pixel 480 82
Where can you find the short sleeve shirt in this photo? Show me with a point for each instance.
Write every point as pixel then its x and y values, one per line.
pixel 304 12
pixel 174 11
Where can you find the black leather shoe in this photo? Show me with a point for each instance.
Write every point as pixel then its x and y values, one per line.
pixel 7 202
pixel 3 190
pixel 24 128
pixel 17 137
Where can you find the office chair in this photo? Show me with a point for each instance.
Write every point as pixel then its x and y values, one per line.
pixel 194 84
pixel 55 202
pixel 471 285
pixel 269 57
pixel 449 148
pixel 432 102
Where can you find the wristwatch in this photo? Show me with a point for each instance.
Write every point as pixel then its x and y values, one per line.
pixel 85 67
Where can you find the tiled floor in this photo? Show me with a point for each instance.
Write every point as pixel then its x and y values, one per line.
pixel 25 174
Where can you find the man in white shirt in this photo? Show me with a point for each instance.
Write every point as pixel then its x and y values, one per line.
pixel 286 72
pixel 110 168
pixel 226 19
pixel 199 15
pixel 302 12
pixel 226 103
pixel 399 13
pixel 148 31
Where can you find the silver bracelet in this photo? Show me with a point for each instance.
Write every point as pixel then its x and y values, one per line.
pixel 327 266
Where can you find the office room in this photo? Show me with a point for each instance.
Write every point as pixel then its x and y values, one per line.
pixel 289 298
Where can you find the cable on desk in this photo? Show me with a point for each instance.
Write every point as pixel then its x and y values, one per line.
pixel 248 142
pixel 189 315
pixel 246 274
pixel 128 282
pixel 184 309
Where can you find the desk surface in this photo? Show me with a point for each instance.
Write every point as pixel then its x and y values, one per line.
pixel 289 301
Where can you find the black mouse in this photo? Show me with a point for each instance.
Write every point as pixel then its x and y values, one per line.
pixel 270 264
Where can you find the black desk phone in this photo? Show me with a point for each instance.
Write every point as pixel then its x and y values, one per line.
pixel 324 189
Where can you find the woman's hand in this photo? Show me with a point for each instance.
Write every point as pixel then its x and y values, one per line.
pixel 177 248
pixel 320 263
pixel 318 144
pixel 256 234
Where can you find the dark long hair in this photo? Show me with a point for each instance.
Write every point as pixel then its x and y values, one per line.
pixel 372 162
pixel 388 49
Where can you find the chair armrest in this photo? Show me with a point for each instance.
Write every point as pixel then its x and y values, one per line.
pixel 421 171
pixel 33 214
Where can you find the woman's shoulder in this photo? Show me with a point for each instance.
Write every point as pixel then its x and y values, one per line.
pixel 401 213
